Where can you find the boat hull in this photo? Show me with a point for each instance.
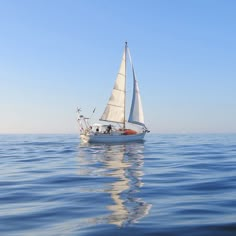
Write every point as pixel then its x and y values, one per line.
pixel 106 138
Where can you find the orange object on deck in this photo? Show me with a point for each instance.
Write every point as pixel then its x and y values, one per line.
pixel 129 131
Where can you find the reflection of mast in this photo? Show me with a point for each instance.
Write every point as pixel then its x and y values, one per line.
pixel 126 164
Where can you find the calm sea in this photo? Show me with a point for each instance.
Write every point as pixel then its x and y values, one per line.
pixel 166 185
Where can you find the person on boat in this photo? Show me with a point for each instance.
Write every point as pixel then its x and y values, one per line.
pixel 108 129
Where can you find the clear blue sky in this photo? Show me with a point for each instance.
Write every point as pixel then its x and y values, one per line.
pixel 57 55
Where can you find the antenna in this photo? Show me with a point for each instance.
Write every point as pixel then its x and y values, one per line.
pixel 78 111
pixel 92 112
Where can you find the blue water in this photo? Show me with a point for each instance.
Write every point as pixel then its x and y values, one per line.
pixel 167 185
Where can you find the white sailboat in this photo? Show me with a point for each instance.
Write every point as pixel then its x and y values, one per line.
pixel 115 113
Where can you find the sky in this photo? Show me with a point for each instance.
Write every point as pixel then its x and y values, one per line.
pixel 57 55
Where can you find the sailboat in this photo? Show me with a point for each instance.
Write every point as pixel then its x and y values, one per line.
pixel 115 113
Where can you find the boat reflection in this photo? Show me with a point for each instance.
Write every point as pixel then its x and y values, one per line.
pixel 123 165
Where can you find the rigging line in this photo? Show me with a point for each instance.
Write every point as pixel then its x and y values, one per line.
pixel 130 59
pixel 115 105
pixel 119 90
pixel 121 74
pixel 121 122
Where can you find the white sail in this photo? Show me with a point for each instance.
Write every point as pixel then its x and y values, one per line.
pixel 115 109
pixel 136 111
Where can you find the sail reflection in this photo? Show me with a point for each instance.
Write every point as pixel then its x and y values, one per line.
pixel 123 165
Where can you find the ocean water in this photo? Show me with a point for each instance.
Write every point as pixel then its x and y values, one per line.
pixel 166 185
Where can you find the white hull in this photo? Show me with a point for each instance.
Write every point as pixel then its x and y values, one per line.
pixel 109 138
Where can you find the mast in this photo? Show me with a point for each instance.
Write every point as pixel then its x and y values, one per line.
pixel 125 84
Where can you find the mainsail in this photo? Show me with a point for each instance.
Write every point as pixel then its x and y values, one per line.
pixel 115 109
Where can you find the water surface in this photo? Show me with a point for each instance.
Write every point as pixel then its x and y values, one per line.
pixel 166 185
